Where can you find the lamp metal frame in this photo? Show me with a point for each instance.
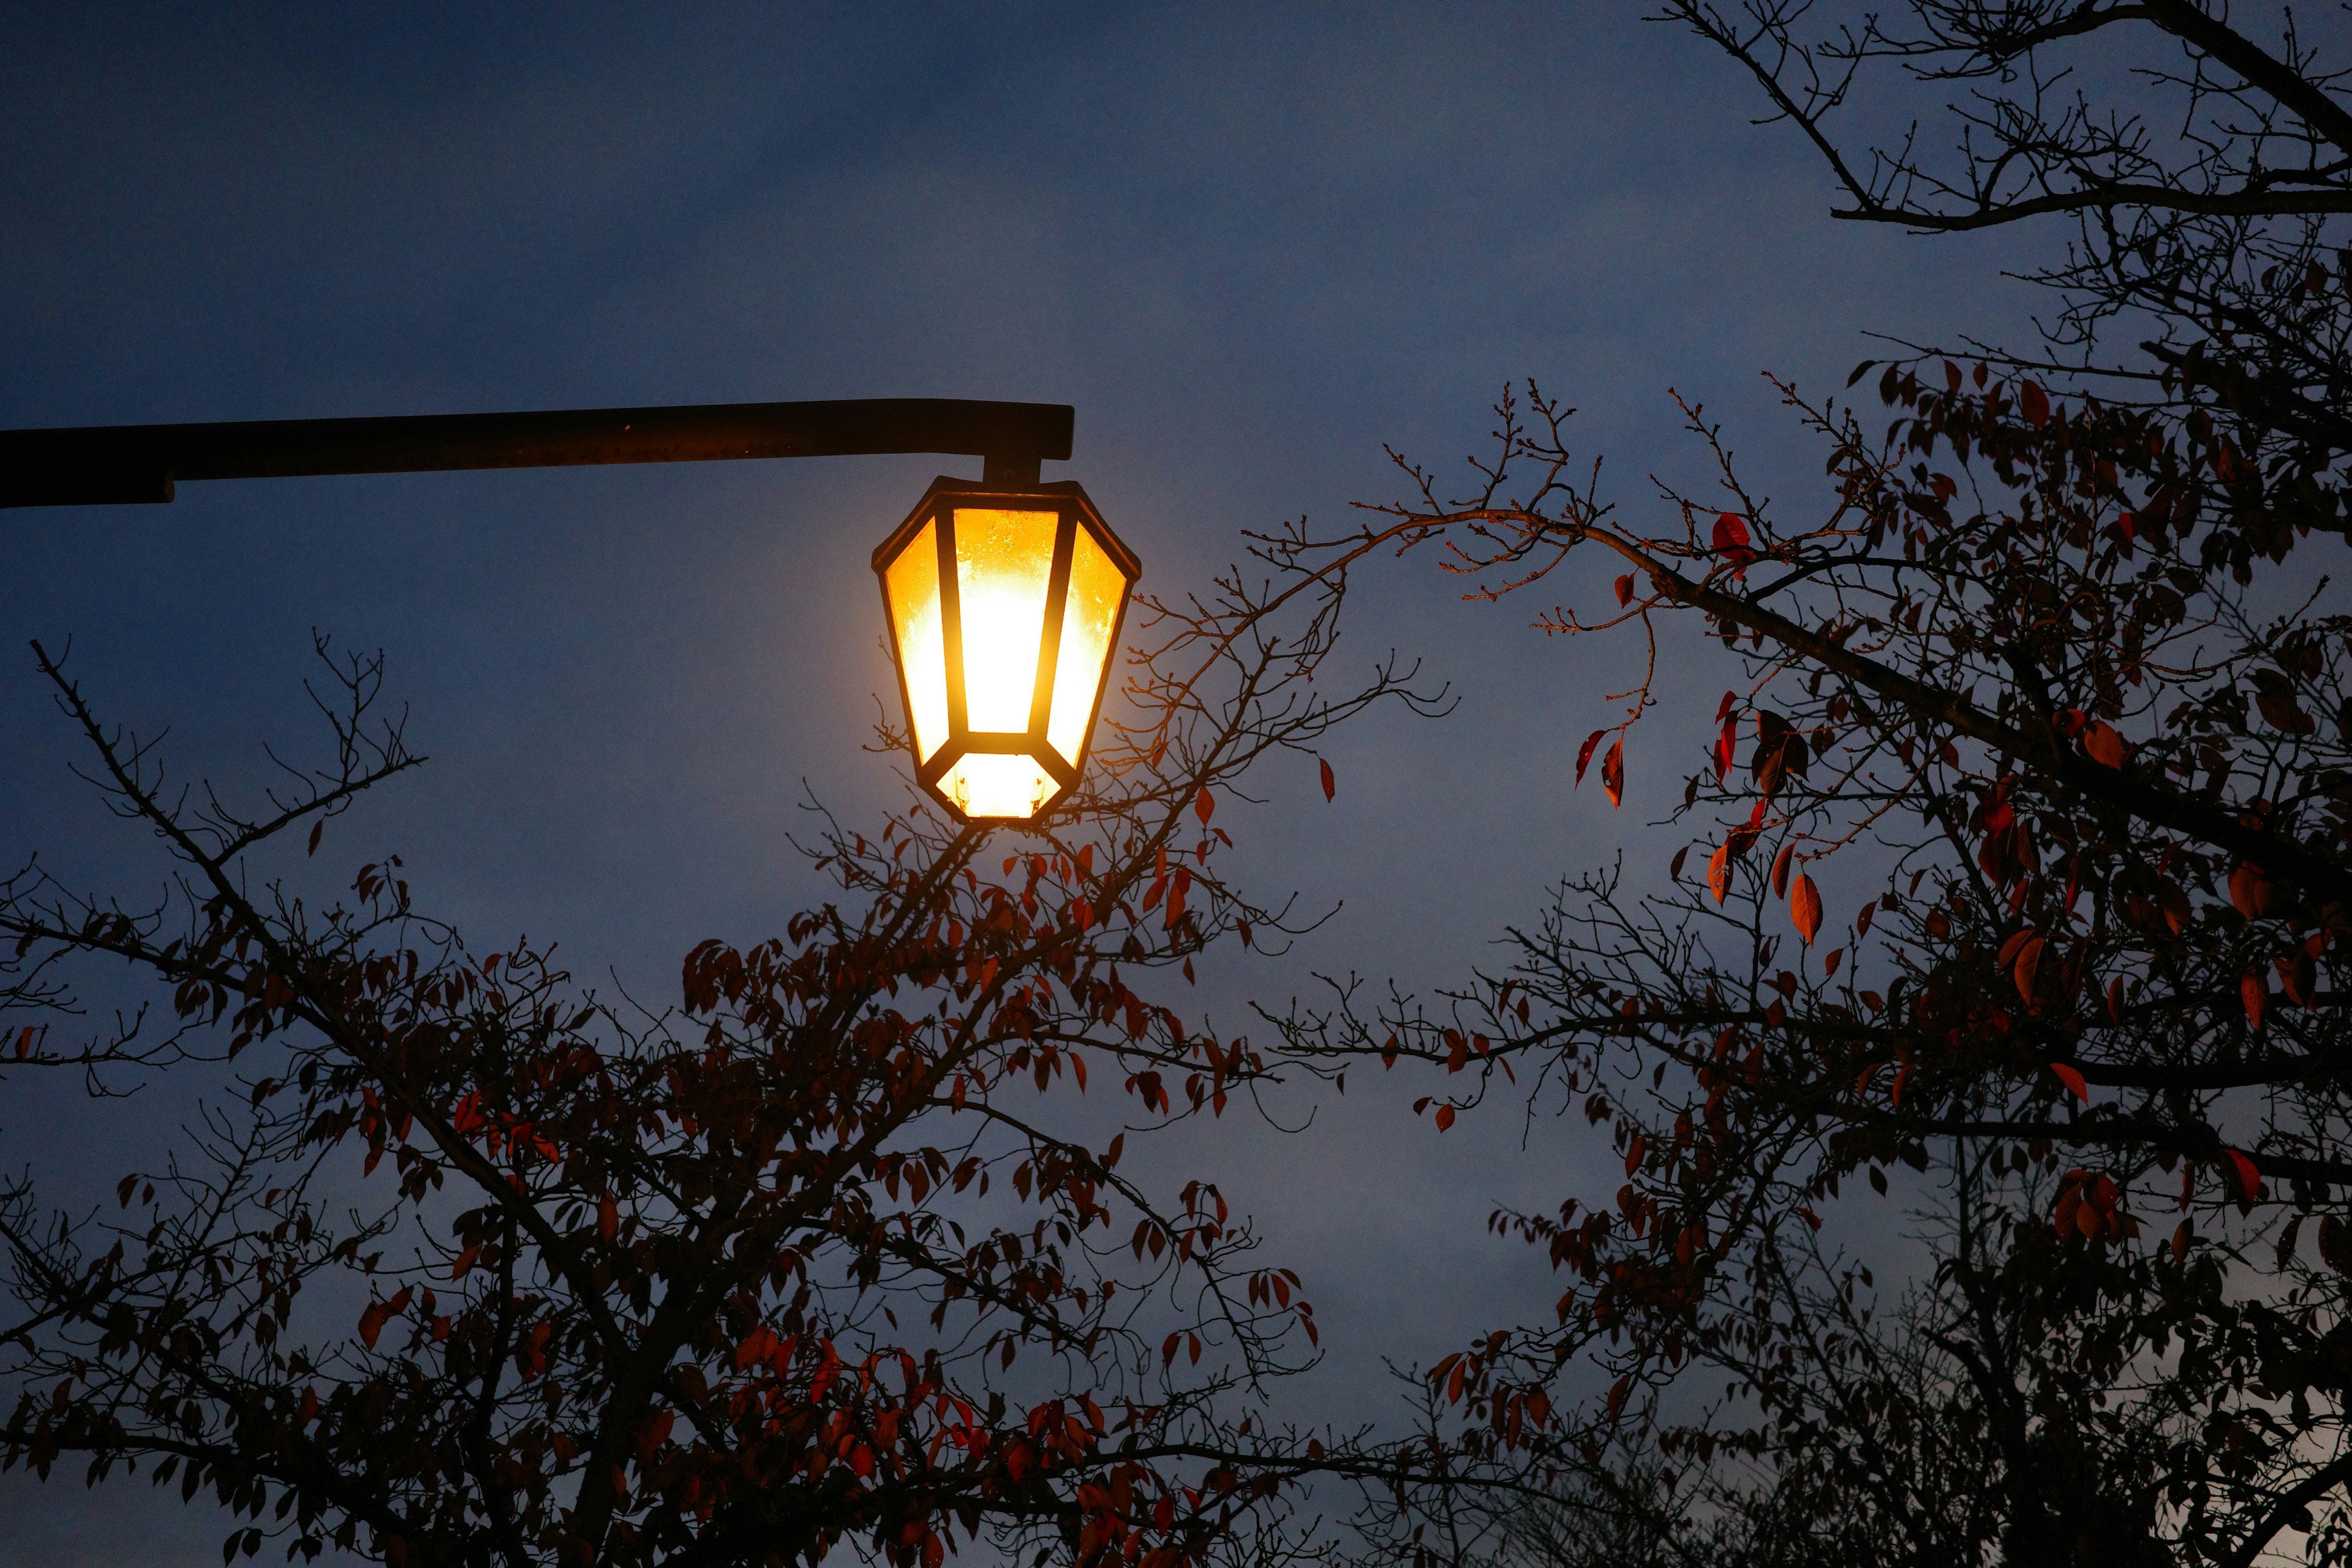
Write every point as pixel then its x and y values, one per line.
pixel 1075 509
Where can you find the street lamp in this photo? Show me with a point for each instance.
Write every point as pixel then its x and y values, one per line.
pixel 1003 596
pixel 1004 607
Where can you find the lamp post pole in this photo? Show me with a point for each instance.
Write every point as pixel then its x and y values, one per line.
pixel 118 464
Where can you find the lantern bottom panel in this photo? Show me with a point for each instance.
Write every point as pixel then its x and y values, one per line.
pixel 998 785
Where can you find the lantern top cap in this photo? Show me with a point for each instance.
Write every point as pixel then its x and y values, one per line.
pixel 1055 492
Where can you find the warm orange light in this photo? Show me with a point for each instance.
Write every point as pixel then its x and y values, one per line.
pixel 1004 608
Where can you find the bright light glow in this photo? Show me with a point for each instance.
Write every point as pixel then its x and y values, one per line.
pixel 992 783
pixel 912 583
pixel 1003 677
pixel 1004 560
pixel 1097 587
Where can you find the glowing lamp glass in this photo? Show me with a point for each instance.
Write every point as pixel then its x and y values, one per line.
pixel 1004 608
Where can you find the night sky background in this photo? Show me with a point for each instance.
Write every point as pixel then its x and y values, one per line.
pixel 1251 245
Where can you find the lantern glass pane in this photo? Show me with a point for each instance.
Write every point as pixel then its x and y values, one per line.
pixel 992 783
pixel 1088 617
pixel 1003 563
pixel 912 579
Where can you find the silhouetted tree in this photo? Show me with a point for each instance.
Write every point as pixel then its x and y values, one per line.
pixel 466 1263
pixel 2020 878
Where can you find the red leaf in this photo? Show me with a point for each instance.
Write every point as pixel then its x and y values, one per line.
pixel 1625 589
pixel 1584 752
pixel 1204 806
pixel 1613 772
pixel 2073 1080
pixel 2104 747
pixel 2249 1179
pixel 1780 866
pixel 2256 994
pixel 1730 533
pixel 2035 401
pixel 1330 784
pixel 1445 1117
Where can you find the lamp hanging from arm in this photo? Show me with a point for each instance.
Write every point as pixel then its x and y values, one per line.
pixel 1004 607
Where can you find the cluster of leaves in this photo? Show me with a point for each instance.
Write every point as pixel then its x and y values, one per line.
pixel 2030 905
pixel 802 1263
pixel 2023 689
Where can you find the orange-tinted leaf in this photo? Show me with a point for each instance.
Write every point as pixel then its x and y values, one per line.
pixel 2073 1080
pixel 1204 806
pixel 2256 994
pixel 1805 907
pixel 1445 1117
pixel 2250 890
pixel 1781 870
pixel 2104 747
pixel 1718 871
pixel 1613 772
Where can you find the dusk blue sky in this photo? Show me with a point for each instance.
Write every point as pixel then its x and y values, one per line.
pixel 1250 243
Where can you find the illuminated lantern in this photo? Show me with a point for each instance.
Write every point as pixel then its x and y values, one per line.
pixel 1005 606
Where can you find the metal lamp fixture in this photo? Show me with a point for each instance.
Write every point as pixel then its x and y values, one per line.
pixel 1004 596
pixel 1005 606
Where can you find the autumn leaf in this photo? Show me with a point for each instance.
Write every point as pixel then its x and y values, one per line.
pixel 1613 772
pixel 1445 1117
pixel 2256 994
pixel 1625 589
pixel 2073 1080
pixel 1718 871
pixel 2035 401
pixel 373 1320
pixel 2029 966
pixel 2298 977
pixel 2335 1244
pixel 1732 540
pixel 2275 697
pixel 1584 752
pixel 2250 890
pixel 1780 865
pixel 2104 747
pixel 2249 1178
pixel 1805 907
pixel 1330 784
pixel 1204 806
